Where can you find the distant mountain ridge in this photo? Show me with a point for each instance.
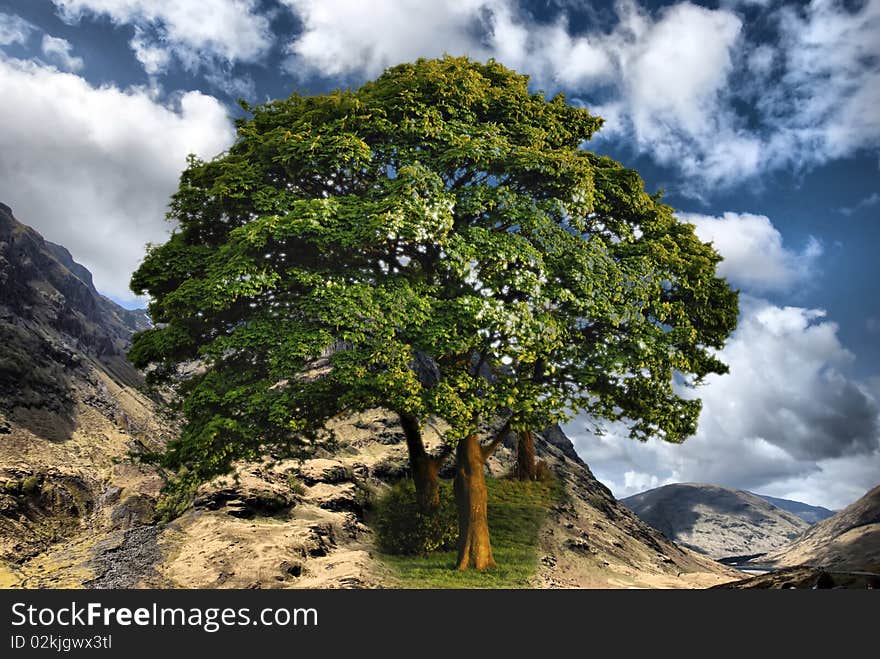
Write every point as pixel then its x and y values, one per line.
pixel 717 521
pixel 808 513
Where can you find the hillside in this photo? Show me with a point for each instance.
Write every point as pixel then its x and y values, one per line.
pixel 716 521
pixel 76 511
pixel 849 540
pixel 70 412
pixel 810 514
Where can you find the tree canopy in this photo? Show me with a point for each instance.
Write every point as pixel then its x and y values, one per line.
pixel 443 240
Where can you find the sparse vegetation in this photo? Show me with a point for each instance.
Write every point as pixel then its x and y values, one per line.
pixel 30 485
pixel 296 485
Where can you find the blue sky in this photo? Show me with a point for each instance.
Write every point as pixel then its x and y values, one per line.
pixel 759 119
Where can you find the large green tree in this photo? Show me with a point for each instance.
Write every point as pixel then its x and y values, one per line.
pixel 437 242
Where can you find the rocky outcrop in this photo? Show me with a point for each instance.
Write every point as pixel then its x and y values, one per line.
pixel 55 328
pixel 716 521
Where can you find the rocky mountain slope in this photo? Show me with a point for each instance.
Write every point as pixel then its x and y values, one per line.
pixel 302 524
pixel 810 514
pixel 850 540
pixel 70 412
pixel 716 521
pixel 76 511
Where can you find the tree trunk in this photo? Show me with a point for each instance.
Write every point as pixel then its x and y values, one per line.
pixel 525 469
pixel 425 468
pixel 474 548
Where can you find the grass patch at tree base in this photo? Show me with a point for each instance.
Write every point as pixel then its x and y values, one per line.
pixel 517 510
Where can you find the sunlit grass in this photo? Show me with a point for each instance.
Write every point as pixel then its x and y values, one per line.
pixel 516 513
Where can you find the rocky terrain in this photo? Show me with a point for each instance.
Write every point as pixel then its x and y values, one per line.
pixel 70 412
pixel 291 523
pixel 716 521
pixel 78 510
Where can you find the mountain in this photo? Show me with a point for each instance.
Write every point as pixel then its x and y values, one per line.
pixel 808 513
pixel 78 510
pixel 849 540
pixel 716 521
pixel 842 551
pixel 70 410
pixel 51 315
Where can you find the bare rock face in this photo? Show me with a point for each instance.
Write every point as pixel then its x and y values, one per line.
pixel 716 521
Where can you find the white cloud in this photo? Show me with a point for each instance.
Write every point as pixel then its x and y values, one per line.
pixel 839 482
pixel 754 256
pixel 196 33
pixel 696 88
pixel 783 420
pixel 761 60
pixel 871 200
pixel 550 53
pixel 668 77
pixel 14 29
pixel 672 84
pixel 153 56
pixel 92 168
pixel 58 51
pixel 342 37
pixel 826 104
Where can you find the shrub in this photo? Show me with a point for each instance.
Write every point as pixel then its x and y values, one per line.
pixel 401 528
pixel 30 485
pixel 296 485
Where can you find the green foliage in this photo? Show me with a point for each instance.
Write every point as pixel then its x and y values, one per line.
pixel 441 211
pixel 176 496
pixel 517 511
pixel 30 485
pixel 296 485
pixel 402 528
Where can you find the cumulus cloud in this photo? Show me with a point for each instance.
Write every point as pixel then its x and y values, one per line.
pixel 826 104
pixel 784 420
pixel 195 33
pixel 342 37
pixel 674 83
pixel 14 29
pixel 694 87
pixel 59 51
pixel 754 257
pixel 92 168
